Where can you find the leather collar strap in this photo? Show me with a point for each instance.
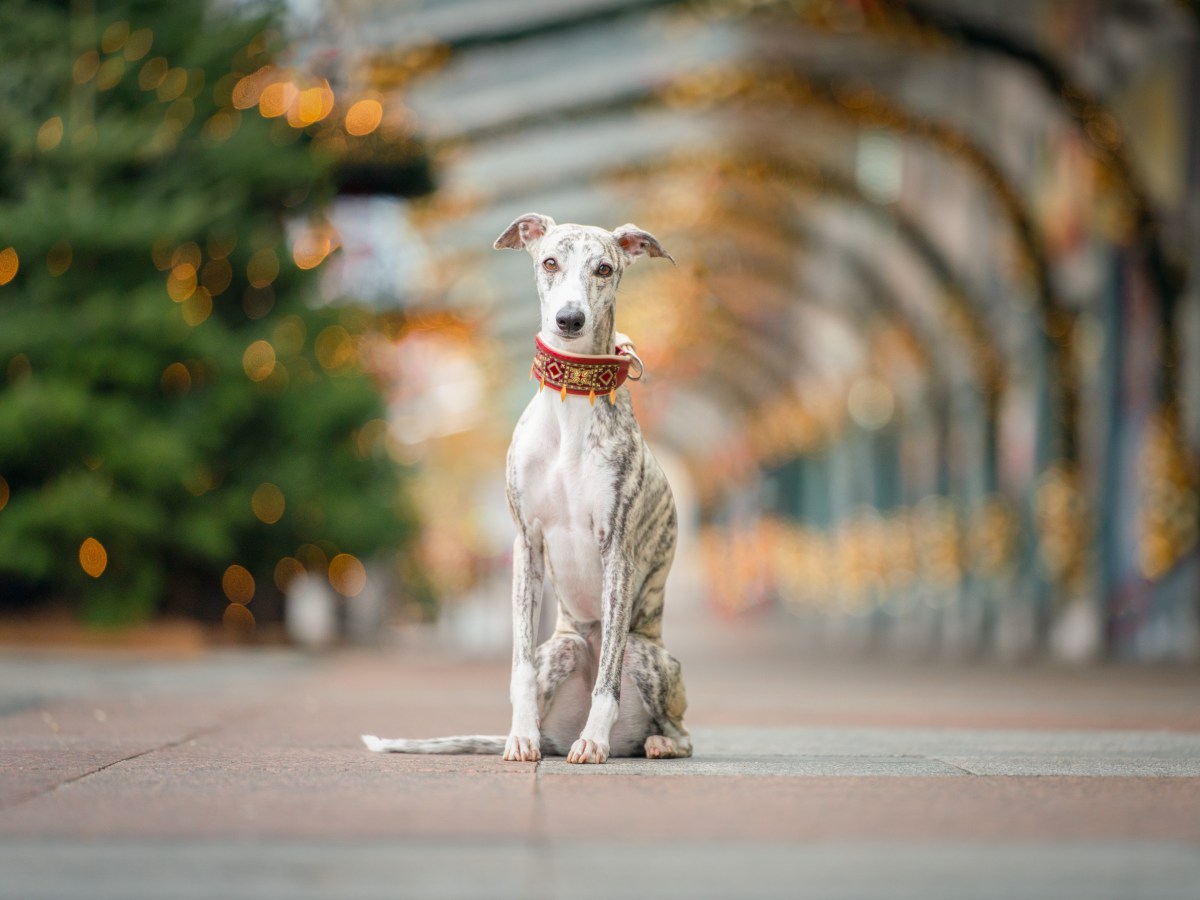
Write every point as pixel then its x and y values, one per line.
pixel 583 374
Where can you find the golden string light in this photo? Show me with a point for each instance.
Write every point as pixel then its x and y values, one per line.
pixel 1169 516
pixel 9 264
pixel 93 558
pixel 238 584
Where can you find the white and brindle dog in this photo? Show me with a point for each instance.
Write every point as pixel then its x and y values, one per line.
pixel 593 510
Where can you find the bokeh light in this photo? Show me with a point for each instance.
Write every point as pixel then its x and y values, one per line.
pixel 9 264
pixel 259 361
pixel 176 379
pixel 139 44
pixel 287 570
pixel 85 67
pixel 262 268
pixel 197 307
pixel 93 558
pixel 347 575
pixel 364 117
pixel 268 503
pixel 181 283
pixel 152 73
pixel 238 584
pixel 238 620
pixel 50 134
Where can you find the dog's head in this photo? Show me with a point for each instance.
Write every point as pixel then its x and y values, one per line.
pixel 577 269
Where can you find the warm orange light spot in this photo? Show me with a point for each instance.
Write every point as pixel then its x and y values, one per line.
pixel 276 99
pixel 197 308
pixel 347 575
pixel 85 67
pixel 268 503
pixel 138 44
pixel 248 90
pixel 364 117
pixel 262 267
pixel 112 70
pixel 187 254
pixel 221 126
pixel 259 360
pixel 238 584
pixel 216 276
pixel 310 249
pixel 238 619
pixel 287 570
pixel 173 84
pixel 4 492
pixel 334 347
pixel 181 283
pixel 58 260
pixel 9 263
pixel 50 134
pixel 93 557
pixel 114 37
pixel 310 107
pixel 153 73
pixel 176 379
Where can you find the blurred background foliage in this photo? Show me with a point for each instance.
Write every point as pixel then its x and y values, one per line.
pixel 172 402
pixel 926 379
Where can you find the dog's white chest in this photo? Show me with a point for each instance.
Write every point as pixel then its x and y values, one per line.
pixel 566 496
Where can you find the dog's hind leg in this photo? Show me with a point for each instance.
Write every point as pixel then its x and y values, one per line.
pixel 564 667
pixel 658 678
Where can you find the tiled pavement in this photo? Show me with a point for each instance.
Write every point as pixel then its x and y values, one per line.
pixel 240 775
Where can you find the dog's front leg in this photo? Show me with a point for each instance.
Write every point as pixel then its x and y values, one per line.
pixel 524 739
pixel 593 743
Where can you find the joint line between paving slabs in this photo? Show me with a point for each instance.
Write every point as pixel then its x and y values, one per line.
pixel 953 766
pixel 190 736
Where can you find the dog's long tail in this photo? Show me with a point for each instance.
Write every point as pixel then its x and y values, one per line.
pixel 465 743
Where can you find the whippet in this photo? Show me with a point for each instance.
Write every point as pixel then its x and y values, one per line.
pixel 592 510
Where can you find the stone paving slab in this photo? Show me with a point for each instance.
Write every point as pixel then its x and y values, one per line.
pixel 243 776
pixel 888 809
pixel 756 766
pixel 596 868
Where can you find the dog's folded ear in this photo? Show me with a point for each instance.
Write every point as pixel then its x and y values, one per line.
pixel 637 243
pixel 524 232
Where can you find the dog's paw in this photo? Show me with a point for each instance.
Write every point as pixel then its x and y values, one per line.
pixel 660 747
pixel 522 749
pixel 585 751
pixel 376 745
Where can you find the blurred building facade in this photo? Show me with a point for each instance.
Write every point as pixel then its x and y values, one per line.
pixel 931 355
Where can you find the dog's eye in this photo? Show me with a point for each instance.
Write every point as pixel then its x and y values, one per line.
pixel 550 264
pixel 604 270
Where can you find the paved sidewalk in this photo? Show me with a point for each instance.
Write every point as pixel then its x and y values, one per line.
pixel 240 774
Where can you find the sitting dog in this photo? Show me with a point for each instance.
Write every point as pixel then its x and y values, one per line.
pixel 593 510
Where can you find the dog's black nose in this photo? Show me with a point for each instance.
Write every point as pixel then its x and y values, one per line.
pixel 570 320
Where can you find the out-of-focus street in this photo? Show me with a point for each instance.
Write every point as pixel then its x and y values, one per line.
pixel 241 775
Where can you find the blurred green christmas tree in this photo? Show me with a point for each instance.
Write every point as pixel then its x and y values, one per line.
pixel 170 403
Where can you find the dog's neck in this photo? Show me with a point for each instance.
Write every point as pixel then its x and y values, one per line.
pixel 598 344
